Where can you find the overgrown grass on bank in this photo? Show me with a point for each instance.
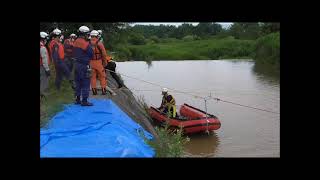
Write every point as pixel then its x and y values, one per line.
pixel 173 49
pixel 170 144
pixel 264 50
pixel 214 48
pixel 267 50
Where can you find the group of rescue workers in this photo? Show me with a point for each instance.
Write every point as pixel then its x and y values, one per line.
pixel 81 59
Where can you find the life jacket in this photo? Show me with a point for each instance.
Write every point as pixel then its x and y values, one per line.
pixel 42 45
pixel 82 51
pixel 57 53
pixel 97 52
pixel 68 46
pixel 50 46
pixel 170 102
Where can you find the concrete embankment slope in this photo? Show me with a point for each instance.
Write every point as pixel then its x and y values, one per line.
pixel 125 99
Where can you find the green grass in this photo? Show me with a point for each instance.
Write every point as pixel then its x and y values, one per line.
pixel 267 50
pixel 264 50
pixel 212 48
pixel 55 100
pixel 170 143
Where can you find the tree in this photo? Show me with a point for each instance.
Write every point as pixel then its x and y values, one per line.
pixel 207 29
pixel 245 30
pixel 155 39
pixel 136 39
pixel 267 28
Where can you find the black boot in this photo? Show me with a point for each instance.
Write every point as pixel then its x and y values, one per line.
pixel 78 101
pixel 116 77
pixel 104 91
pixel 94 91
pixel 86 103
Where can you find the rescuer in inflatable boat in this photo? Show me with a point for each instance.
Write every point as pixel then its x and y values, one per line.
pixel 168 104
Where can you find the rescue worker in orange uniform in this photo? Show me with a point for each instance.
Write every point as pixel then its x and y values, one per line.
pixel 99 61
pixel 68 45
pixel 44 64
pixel 50 45
pixel 57 54
pixel 69 60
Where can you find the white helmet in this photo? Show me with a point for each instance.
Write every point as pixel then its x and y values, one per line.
pixel 73 35
pixel 61 38
pixel 84 29
pixel 94 33
pixel 43 35
pixel 56 32
pixel 100 33
pixel 165 90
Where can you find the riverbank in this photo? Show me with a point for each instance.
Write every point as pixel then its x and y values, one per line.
pixel 264 50
pixel 212 48
pixel 165 143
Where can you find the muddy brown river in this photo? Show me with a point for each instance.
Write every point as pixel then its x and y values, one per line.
pixel 244 132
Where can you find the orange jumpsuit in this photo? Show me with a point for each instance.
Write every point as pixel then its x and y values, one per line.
pixel 100 59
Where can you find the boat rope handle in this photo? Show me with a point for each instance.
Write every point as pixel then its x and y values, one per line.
pixel 196 96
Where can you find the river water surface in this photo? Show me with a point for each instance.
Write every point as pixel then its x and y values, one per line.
pixel 244 132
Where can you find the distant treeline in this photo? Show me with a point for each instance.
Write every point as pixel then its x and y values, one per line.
pixel 260 41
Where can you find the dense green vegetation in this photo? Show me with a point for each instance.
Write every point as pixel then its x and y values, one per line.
pixel 260 41
pixel 212 48
pixel 170 143
pixel 267 50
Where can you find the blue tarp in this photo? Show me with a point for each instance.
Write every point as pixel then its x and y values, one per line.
pixel 102 130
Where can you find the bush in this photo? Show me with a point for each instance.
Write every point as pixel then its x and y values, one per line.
pixel 170 144
pixel 138 54
pixel 137 39
pixel 194 50
pixel 267 49
pixel 196 37
pixel 188 38
pixel 155 39
pixel 231 49
pixel 123 52
pixel 149 41
pixel 168 40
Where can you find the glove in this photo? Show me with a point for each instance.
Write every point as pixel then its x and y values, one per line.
pixel 48 73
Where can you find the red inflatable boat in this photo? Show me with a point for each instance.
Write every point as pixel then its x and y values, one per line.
pixel 191 119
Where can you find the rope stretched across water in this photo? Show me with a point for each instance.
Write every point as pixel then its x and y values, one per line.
pixel 196 96
pixel 244 105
